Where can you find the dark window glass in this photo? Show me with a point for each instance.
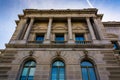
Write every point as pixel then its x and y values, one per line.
pixel 28 71
pixel 88 71
pixel 58 70
pixel 39 38
pixel 115 45
pixel 59 38
pixel 79 38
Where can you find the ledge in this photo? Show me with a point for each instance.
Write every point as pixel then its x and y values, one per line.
pixel 33 45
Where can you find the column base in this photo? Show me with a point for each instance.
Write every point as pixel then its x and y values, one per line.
pixel 119 42
pixel 47 42
pixel 71 42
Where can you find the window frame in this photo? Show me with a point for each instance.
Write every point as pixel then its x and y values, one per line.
pixel 42 35
pixel 115 43
pixel 80 41
pixel 29 68
pixel 88 68
pixel 59 41
pixel 58 70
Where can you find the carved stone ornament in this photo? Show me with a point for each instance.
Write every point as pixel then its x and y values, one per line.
pixel 31 53
pixel 58 53
pixel 85 53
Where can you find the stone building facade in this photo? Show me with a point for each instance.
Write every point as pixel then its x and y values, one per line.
pixel 62 45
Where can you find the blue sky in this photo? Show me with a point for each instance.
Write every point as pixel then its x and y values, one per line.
pixel 9 10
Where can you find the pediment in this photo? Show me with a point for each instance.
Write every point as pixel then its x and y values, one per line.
pixel 79 27
pixel 39 27
pixel 59 27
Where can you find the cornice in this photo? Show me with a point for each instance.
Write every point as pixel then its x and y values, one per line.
pixel 59 12
pixel 111 24
pixel 89 10
pixel 58 46
pixel 100 16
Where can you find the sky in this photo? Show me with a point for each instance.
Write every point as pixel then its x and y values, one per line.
pixel 9 10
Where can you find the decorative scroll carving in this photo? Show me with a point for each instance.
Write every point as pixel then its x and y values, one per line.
pixel 58 53
pixel 40 25
pixel 31 53
pixel 85 53
pixel 79 26
pixel 59 26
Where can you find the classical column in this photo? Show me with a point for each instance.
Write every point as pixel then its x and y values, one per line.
pixel 47 39
pixel 90 29
pixel 98 28
pixel 70 31
pixel 18 33
pixel 21 25
pixel 28 29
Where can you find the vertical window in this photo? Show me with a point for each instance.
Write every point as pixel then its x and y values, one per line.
pixel 39 38
pixel 88 71
pixel 59 38
pixel 115 45
pixel 28 70
pixel 79 38
pixel 58 70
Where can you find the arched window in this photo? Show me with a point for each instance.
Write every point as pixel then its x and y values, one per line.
pixel 28 70
pixel 88 71
pixel 58 70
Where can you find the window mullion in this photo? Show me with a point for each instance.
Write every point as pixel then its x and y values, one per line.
pixel 88 73
pixel 28 72
pixel 58 73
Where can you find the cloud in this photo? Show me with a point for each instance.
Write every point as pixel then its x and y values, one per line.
pixel 56 4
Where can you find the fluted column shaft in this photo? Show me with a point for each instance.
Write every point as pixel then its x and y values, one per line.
pixel 28 29
pixel 70 35
pixel 98 28
pixel 90 29
pixel 49 29
pixel 69 29
pixel 21 25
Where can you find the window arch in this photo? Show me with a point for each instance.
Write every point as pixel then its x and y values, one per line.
pixel 28 70
pixel 58 70
pixel 88 70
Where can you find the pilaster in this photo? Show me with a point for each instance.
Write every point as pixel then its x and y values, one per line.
pixel 70 37
pixel 98 28
pixel 90 29
pixel 28 29
pixel 47 38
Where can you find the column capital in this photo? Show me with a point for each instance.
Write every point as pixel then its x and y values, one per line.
pixel 32 18
pixel 87 17
pixel 68 17
pixel 50 17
